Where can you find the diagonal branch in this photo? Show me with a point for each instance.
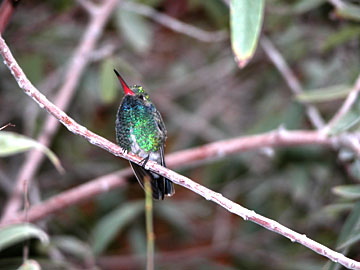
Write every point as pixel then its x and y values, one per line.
pixel 75 68
pixel 208 194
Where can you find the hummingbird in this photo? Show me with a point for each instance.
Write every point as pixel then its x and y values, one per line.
pixel 141 131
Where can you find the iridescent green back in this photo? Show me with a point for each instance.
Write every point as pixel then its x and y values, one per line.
pixel 137 116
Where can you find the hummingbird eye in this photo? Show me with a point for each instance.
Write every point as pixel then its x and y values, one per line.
pixel 142 97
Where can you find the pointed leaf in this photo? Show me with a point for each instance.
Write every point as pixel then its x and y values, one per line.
pixel 348 191
pixel 112 224
pixel 348 10
pixel 347 121
pixel 350 232
pixel 337 208
pixel 14 234
pixel 12 143
pixel 245 22
pixel 324 94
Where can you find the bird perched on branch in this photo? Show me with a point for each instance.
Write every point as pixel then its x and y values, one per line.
pixel 141 131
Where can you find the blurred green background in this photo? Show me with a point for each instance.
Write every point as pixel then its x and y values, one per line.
pixel 203 97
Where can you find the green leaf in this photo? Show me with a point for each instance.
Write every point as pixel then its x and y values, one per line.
pixel 350 232
pixel 341 36
pixel 354 169
pixel 337 208
pixel 348 10
pixel 112 224
pixel 306 5
pixel 347 191
pixel 14 234
pixel 73 246
pixel 347 121
pixel 30 265
pixel 12 143
pixel 108 81
pixel 245 22
pixel 135 29
pixel 324 94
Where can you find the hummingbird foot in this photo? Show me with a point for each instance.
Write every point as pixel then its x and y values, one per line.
pixel 144 161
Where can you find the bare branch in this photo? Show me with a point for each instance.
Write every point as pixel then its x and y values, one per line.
pixel 174 24
pixel 246 214
pixel 290 78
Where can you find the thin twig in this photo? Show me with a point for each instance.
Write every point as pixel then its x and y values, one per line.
pixel 346 106
pixel 291 80
pixel 175 25
pixel 7 125
pixel 150 236
pixel 208 194
pixel 75 69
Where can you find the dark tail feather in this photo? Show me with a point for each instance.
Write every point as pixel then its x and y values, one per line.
pixel 160 185
pixel 169 187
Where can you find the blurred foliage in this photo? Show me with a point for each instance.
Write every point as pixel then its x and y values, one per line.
pixel 12 143
pixel 203 97
pixel 13 234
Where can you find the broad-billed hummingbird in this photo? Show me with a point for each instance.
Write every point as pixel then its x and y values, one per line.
pixel 141 131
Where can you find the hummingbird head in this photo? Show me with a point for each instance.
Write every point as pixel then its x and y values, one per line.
pixel 136 91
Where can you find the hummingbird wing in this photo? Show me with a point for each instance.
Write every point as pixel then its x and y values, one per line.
pixel 169 189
